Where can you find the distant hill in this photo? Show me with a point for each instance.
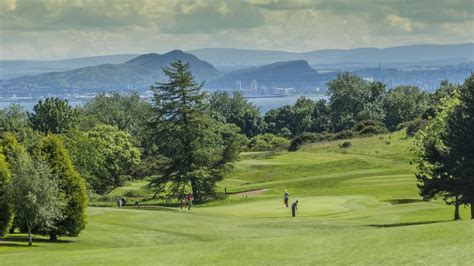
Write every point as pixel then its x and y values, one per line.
pixel 17 68
pixel 291 73
pixel 224 58
pixel 136 74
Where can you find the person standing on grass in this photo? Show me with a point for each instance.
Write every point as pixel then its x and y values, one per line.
pixel 190 201
pixel 286 197
pixel 294 208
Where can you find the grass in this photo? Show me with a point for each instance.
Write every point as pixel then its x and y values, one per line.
pixel 358 205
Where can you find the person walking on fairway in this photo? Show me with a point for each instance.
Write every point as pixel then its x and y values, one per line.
pixel 190 201
pixel 286 197
pixel 294 208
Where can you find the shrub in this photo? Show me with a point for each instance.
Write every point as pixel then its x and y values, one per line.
pixel 301 139
pixel 327 135
pixel 370 127
pixel 345 145
pixel 345 134
pixel 268 142
pixel 414 126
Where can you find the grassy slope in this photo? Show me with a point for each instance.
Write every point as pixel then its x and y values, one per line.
pixel 356 206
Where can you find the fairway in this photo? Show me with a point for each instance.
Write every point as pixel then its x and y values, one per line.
pixel 358 205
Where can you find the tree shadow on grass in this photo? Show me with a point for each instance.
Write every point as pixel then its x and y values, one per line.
pixel 403 201
pixel 24 239
pixel 16 245
pixel 407 224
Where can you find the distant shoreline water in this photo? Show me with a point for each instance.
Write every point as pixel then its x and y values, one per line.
pixel 264 103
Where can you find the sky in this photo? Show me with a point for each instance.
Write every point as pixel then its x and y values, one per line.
pixel 56 29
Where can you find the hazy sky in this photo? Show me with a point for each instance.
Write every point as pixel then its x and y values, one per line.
pixel 50 29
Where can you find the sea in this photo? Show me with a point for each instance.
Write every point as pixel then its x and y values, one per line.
pixel 264 103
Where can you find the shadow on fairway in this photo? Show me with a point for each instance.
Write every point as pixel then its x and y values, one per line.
pixel 403 201
pixel 407 224
pixel 24 239
pixel 17 245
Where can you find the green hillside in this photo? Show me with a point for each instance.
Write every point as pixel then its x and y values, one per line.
pixel 358 205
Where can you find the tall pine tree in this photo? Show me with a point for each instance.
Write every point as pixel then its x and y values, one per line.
pixel 197 149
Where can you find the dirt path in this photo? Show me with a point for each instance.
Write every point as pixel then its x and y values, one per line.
pixel 251 192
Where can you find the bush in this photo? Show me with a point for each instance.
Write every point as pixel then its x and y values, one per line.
pixel 268 142
pixel 345 134
pixel 301 139
pixel 370 127
pixel 345 145
pixel 414 126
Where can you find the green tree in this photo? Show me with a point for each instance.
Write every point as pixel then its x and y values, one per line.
pixel 15 119
pixel 239 111
pixel 116 157
pixel 194 145
pixel 34 196
pixel 279 118
pixel 128 112
pixel 71 185
pixel 459 141
pixel 304 116
pixel 436 167
pixel 88 159
pixel 403 104
pixel 54 115
pixel 348 94
pixel 6 215
pixel 268 142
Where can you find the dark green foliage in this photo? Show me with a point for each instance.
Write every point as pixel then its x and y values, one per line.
pixel 445 91
pixel 459 140
pixel 345 145
pixel 6 215
pixel 444 148
pixel 268 142
pixel 237 110
pixel 304 138
pixel 304 116
pixel 71 186
pixel 14 119
pixel 54 115
pixel 345 134
pixel 369 127
pixel 128 112
pixel 352 99
pixel 414 126
pixel 403 104
pixel 197 150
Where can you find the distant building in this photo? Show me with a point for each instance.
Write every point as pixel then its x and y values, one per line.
pixel 254 87
pixel 238 85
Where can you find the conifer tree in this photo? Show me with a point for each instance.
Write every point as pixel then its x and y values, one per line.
pixel 71 185
pixel 196 153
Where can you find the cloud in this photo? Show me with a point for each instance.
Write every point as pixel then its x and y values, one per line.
pixel 398 22
pixel 70 28
pixel 36 15
pixel 211 16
